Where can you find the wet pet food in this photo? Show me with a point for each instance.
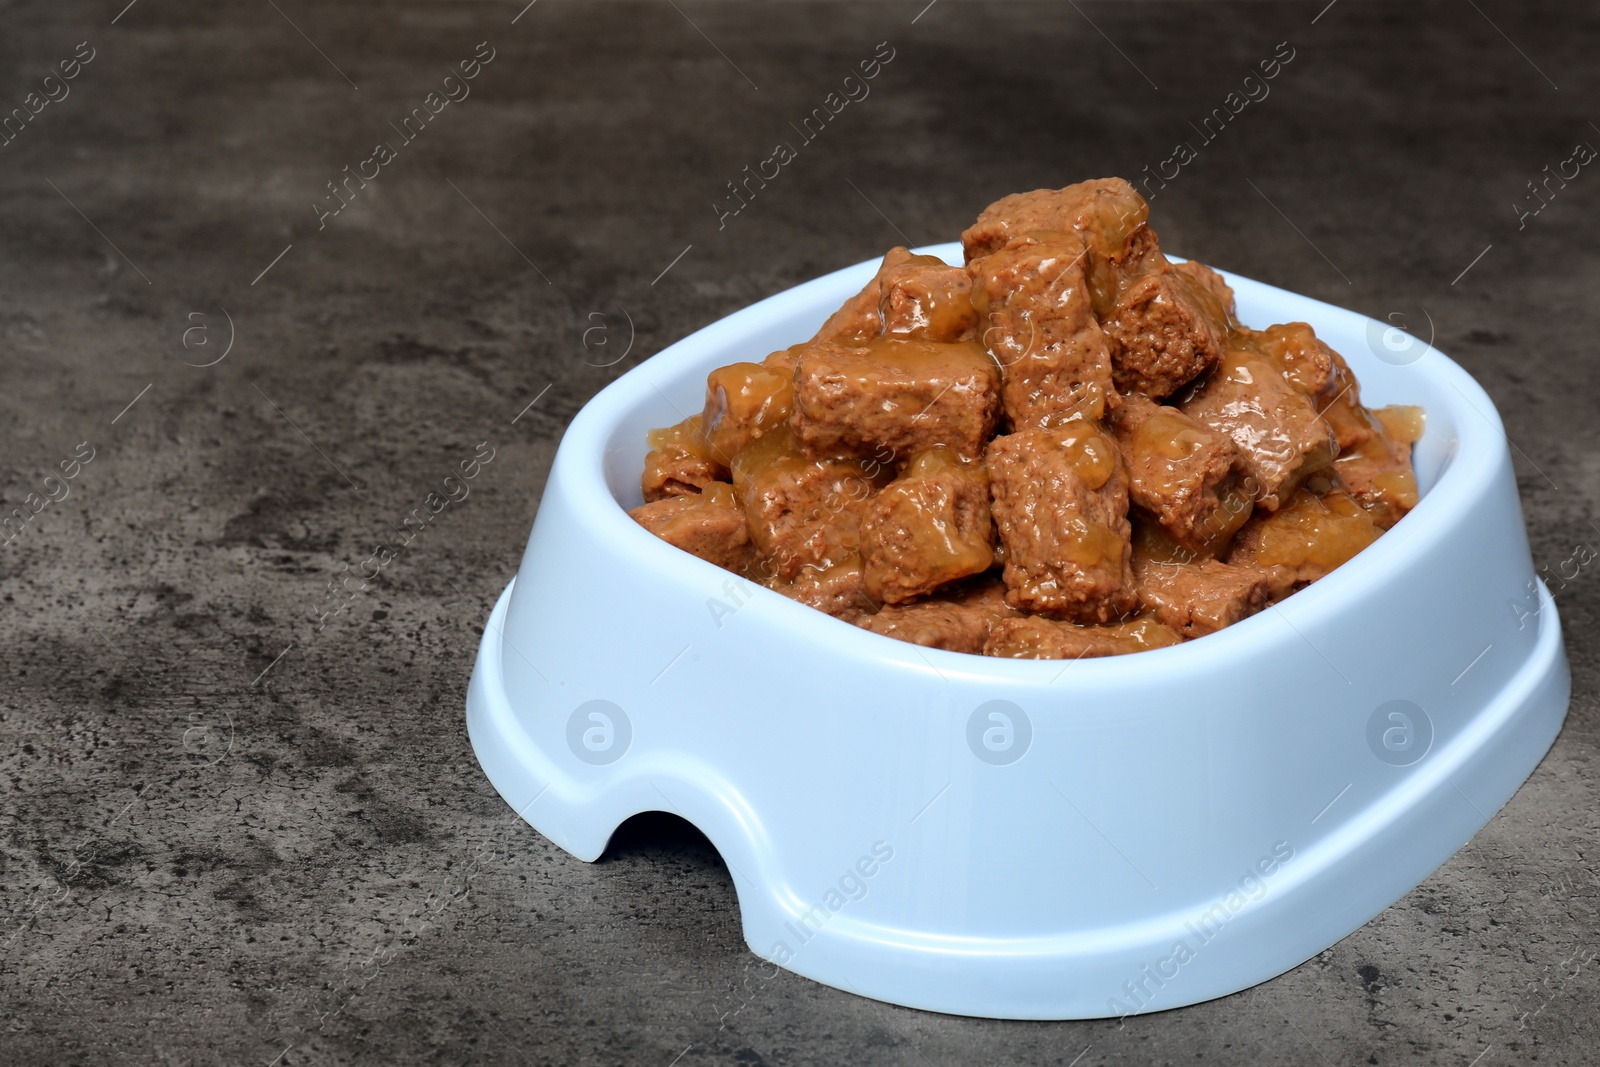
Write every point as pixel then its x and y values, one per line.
pixel 1067 447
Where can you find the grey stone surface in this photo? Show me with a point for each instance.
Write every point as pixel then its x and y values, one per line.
pixel 229 837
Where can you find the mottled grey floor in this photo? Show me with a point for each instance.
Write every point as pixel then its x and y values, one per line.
pixel 214 850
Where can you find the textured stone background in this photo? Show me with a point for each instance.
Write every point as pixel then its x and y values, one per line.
pixel 213 850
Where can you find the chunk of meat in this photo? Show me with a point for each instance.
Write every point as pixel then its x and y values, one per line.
pixel 927 301
pixel 1188 476
pixel 784 360
pixel 676 472
pixel 1378 472
pixel 928 527
pixel 1039 326
pixel 1061 507
pixel 743 402
pixel 1305 539
pixel 956 618
pixel 859 320
pixel 1305 362
pixel 839 590
pixel 1165 331
pixel 708 524
pixel 1032 637
pixel 1277 430
pixel 680 462
pixel 895 398
pixel 1209 282
pixel 1316 370
pixel 1374 458
pixel 801 512
pixel 936 623
pixel 1165 327
pixel 1202 597
pixel 1104 214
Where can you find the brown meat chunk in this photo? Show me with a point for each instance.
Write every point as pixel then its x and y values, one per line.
pixel 743 402
pixel 936 623
pixel 957 618
pixel 1306 363
pixel 1036 638
pixel 1305 539
pixel 1378 471
pixel 859 320
pixel 1187 476
pixel 839 590
pixel 1374 446
pixel 1321 374
pixel 1104 214
pixel 895 398
pixel 927 301
pixel 801 512
pixel 679 462
pixel 1061 506
pixel 928 527
pixel 1209 282
pixel 784 359
pixel 1040 327
pixel 1275 427
pixel 676 472
pixel 1164 330
pixel 708 524
pixel 1165 327
pixel 1200 598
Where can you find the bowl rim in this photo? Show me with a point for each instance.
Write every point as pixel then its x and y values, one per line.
pixel 579 467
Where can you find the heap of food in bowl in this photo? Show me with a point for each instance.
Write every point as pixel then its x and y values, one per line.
pixel 1067 447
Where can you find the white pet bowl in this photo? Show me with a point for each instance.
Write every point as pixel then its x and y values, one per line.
pixel 1019 839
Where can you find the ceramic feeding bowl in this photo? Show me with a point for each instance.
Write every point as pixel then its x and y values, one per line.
pixel 1016 838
